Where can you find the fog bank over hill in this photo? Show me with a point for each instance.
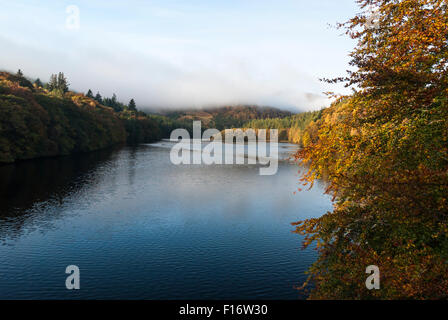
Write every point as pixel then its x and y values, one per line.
pixel 173 54
pixel 162 84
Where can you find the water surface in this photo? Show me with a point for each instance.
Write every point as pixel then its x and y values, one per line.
pixel 139 227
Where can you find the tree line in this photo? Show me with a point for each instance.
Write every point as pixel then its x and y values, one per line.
pixel 47 119
pixel 113 102
pixel 299 128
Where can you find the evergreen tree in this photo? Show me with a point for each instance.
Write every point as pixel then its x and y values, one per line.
pixel 53 83
pixel 38 83
pixel 113 103
pixel 62 83
pixel 132 105
pixel 99 98
pixel 89 94
pixel 19 73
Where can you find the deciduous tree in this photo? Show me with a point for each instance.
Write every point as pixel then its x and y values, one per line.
pixel 383 152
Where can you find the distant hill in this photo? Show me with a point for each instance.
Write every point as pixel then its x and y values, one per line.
pixel 228 116
pixel 42 120
pixel 293 128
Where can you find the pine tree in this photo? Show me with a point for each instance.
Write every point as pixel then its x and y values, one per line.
pixel 38 83
pixel 113 100
pixel 89 94
pixel 53 83
pixel 132 105
pixel 62 83
pixel 99 98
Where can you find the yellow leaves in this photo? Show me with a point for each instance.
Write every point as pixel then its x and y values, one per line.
pixel 383 152
pixel 410 244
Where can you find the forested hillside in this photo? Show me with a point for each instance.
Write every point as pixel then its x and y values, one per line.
pixel 41 121
pixel 227 117
pixel 297 128
pixel 35 123
pixel 47 119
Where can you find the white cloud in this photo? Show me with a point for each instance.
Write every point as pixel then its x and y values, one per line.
pixel 171 60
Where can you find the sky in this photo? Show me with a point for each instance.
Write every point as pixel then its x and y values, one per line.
pixel 183 54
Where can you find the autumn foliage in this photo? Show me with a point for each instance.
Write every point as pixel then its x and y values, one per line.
pixel 384 154
pixel 36 122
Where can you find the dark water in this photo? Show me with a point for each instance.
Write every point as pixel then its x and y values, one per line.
pixel 139 227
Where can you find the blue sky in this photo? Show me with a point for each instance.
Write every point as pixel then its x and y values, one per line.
pixel 183 53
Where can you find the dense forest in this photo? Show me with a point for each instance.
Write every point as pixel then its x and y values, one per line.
pixel 298 128
pixel 47 119
pixel 227 117
pixel 383 152
pixel 41 120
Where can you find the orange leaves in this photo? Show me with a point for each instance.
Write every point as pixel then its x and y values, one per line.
pixel 384 155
